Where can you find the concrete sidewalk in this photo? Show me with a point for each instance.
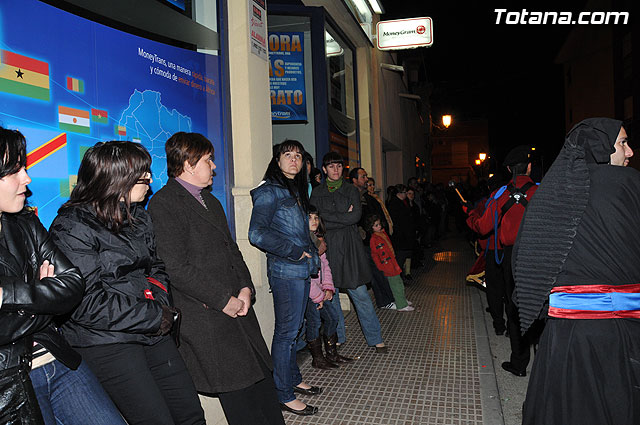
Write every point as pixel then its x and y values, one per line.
pixel 511 389
pixel 440 367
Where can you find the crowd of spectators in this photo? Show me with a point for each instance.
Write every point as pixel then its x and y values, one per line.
pixel 128 313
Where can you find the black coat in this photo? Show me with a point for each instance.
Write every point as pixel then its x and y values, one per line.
pixel 347 258
pixel 206 269
pixel 28 302
pixel 370 206
pixel 404 229
pixel 120 304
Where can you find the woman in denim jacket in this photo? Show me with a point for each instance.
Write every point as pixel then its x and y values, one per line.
pixel 279 226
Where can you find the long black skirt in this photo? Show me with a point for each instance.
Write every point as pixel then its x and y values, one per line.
pixel 586 372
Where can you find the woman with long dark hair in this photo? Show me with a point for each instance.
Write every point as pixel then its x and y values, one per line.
pixel 122 326
pixel 38 282
pixel 280 227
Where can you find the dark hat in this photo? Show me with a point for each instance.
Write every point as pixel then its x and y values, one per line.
pixel 518 155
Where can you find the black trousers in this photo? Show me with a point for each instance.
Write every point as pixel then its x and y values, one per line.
pixel 149 384
pixel 401 257
pixel 496 290
pixel 255 405
pixel 381 290
pixel 520 351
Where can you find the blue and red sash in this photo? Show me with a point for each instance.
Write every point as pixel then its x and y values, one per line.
pixel 595 302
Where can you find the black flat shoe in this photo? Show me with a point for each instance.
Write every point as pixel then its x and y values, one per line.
pixel 510 368
pixel 382 350
pixel 308 391
pixel 307 411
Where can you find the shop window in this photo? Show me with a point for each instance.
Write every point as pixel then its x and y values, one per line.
pixel 343 126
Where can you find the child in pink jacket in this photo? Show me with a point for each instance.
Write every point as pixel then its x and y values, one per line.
pixel 318 312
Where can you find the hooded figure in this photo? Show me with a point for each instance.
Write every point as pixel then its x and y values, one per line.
pixel 576 262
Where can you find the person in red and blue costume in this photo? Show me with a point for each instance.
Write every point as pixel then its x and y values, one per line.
pixel 580 235
pixel 502 217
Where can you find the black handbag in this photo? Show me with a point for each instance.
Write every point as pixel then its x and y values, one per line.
pixel 18 402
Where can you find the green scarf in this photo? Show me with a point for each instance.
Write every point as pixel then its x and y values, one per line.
pixel 333 186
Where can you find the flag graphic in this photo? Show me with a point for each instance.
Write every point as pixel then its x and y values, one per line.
pixel 75 120
pixel 98 115
pixel 46 150
pixel 135 140
pixel 121 130
pixel 75 84
pixel 23 75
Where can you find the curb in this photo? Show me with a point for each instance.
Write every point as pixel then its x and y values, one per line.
pixel 491 406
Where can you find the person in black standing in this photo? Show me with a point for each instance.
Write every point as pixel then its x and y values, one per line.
pixel 502 216
pixel 221 341
pixel 404 230
pixel 370 206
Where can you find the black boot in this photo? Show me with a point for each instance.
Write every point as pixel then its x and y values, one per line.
pixel 332 350
pixel 319 361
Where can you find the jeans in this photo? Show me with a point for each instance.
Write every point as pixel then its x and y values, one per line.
pixel 325 317
pixel 289 303
pixel 72 397
pixel 337 309
pixel 369 322
pixel 149 384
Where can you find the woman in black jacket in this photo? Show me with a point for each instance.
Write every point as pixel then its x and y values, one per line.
pixel 404 231
pixel 37 282
pixel 122 325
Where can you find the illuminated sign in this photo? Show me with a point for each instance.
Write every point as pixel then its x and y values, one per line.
pixel 405 33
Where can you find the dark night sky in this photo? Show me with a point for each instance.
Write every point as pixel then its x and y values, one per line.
pixel 505 73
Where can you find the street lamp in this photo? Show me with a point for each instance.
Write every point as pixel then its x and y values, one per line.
pixel 481 164
pixel 446 120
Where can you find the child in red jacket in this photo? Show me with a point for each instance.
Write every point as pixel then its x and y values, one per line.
pixel 385 259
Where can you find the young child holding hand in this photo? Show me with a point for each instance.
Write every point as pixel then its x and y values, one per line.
pixel 321 312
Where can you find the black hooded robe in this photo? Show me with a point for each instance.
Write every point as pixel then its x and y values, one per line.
pixel 587 371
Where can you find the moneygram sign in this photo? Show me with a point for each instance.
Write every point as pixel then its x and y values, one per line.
pixel 405 33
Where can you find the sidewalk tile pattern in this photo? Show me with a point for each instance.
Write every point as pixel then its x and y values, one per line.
pixel 430 374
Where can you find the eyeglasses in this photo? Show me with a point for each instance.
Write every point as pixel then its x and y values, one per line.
pixel 143 181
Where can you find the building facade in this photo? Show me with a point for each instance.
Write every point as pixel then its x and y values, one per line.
pixel 212 58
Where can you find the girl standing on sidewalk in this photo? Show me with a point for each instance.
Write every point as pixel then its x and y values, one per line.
pixel 385 259
pixel 320 308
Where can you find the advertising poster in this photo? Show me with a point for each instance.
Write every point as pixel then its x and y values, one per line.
pixel 67 83
pixel 258 27
pixel 286 76
pixel 178 3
